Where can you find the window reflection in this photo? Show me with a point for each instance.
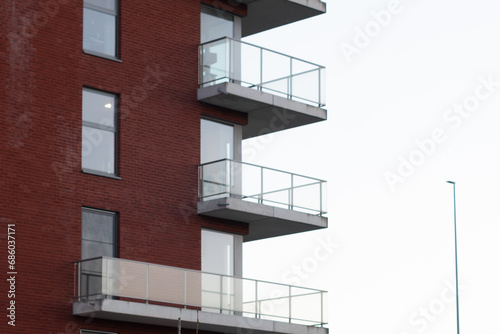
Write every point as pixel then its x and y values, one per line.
pixel 99 27
pixel 215 24
pixel 98 131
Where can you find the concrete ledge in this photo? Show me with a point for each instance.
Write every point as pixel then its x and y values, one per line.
pixel 264 221
pixel 120 310
pixel 266 112
pixel 264 14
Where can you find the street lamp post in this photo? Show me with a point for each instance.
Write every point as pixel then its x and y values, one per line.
pixel 456 257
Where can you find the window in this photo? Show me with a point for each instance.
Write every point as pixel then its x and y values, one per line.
pixel 215 24
pixel 217 256
pixel 98 233
pixel 98 239
pixel 98 132
pixel 217 252
pixel 217 141
pixel 99 27
pixel 221 254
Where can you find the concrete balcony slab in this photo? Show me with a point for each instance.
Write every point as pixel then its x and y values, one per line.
pixel 119 310
pixel 266 112
pixel 264 14
pixel 264 221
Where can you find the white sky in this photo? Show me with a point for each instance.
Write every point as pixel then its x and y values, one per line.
pixel 393 250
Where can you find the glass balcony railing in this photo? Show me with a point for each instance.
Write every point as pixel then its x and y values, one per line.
pixel 113 278
pixel 230 60
pixel 257 184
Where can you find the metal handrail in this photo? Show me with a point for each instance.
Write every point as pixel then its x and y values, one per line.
pixel 254 165
pixel 199 271
pixel 110 262
pixel 235 172
pixel 228 43
pixel 262 48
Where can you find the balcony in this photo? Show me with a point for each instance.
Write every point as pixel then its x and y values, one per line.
pixel 272 202
pixel 123 290
pixel 265 14
pixel 277 91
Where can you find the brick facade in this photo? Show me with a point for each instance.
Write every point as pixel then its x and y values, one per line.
pixel 43 189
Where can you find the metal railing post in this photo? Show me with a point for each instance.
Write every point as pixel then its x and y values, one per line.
pixel 79 273
pixel 229 177
pixel 290 304
pixel 321 198
pixel 256 298
pixel 200 176
pixel 225 176
pixel 289 198
pixel 147 283
pixel 291 193
pixel 319 87
pixel 261 185
pixel 221 289
pixel 185 288
pixel 229 61
pixel 261 68
pixel 201 66
pixel 104 276
pixel 321 293
pixel 288 83
pixel 291 79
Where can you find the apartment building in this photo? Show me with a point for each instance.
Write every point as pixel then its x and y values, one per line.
pixel 124 199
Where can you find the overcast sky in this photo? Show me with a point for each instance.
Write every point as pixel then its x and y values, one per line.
pixel 413 100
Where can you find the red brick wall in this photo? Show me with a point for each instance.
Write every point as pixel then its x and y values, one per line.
pixel 43 71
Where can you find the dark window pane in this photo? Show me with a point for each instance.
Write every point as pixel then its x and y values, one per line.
pixel 94 285
pixel 92 267
pixel 98 235
pixel 98 227
pixel 91 249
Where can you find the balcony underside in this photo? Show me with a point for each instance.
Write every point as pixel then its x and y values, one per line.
pixel 266 112
pixel 264 14
pixel 264 221
pixel 160 315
